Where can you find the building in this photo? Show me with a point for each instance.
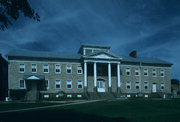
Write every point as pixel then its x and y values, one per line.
pixel 93 72
pixel 3 78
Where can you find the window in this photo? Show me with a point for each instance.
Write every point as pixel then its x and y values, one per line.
pixel 68 69
pixel 79 70
pixel 58 84
pixel 145 72
pixel 58 68
pixel 145 85
pixel 21 68
pixel 154 72
pixel 137 72
pixel 128 71
pixel 34 68
pixel 22 84
pixel 47 84
pixel 137 85
pixel 162 73
pixel 69 84
pixel 128 85
pixel 162 86
pixel 79 84
pixel 46 68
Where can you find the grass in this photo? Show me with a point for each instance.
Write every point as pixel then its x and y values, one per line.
pixel 139 110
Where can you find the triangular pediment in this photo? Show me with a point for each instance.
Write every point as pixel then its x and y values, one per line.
pixel 102 55
pixel 33 78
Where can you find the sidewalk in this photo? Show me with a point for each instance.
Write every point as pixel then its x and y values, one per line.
pixel 53 106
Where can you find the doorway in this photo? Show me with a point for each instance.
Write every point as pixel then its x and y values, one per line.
pixel 101 86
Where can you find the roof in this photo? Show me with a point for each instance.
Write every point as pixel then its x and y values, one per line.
pixel 93 46
pixel 145 60
pixel 41 54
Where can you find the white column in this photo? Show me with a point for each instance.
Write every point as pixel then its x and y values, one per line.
pixel 85 74
pixel 109 74
pixel 118 75
pixel 95 75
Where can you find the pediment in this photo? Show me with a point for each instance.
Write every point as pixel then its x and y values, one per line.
pixel 103 55
pixel 33 78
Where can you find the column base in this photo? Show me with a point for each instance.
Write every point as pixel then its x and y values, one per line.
pixel 118 90
pixel 109 89
pixel 95 89
pixel 85 89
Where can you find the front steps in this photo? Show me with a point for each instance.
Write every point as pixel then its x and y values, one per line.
pixel 101 95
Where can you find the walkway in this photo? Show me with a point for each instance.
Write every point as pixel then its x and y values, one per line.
pixel 51 106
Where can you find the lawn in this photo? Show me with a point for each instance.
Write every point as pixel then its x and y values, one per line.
pixel 121 110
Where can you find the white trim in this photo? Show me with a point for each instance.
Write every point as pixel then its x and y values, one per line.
pixel 144 66
pixel 95 75
pixel 78 83
pixel 35 67
pixel 57 82
pixel 57 68
pixel 118 74
pixel 44 68
pixel 24 82
pixel 69 68
pixel 85 74
pixel 23 67
pixel 79 67
pixel 47 83
pixel 102 61
pixel 145 71
pixel 69 84
pixel 109 74
pixel 44 62
pixel 33 78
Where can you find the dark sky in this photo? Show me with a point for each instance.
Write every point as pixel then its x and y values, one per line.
pixel 152 27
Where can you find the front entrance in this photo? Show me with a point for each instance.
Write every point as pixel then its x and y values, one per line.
pixel 100 86
pixel 32 93
pixel 154 87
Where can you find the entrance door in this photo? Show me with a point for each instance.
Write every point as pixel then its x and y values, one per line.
pixel 32 93
pixel 154 87
pixel 100 86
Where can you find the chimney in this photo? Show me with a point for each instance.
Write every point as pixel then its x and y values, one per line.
pixel 133 54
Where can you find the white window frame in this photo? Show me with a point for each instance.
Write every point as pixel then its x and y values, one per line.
pixel 137 84
pixel 57 67
pixel 57 82
pixel 24 84
pixel 154 71
pixel 47 83
pixel 162 85
pixel 79 82
pixel 68 82
pixel 146 84
pixel 79 68
pixel 44 67
pixel 23 67
pixel 68 67
pixel 137 71
pixel 128 83
pixel 145 71
pixel 128 70
pixel 33 67
pixel 162 72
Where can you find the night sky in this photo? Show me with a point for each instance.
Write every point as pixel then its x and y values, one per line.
pixel 152 27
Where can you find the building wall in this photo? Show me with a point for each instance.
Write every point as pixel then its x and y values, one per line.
pixel 141 79
pixel 15 75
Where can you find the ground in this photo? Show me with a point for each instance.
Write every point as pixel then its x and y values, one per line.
pixel 119 110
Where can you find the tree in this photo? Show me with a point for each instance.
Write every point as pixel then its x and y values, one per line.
pixel 11 9
pixel 175 81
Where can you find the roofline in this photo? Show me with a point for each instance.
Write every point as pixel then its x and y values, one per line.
pixel 93 46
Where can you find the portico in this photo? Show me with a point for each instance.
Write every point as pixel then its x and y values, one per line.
pixel 100 82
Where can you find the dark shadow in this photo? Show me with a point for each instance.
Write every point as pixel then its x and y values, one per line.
pixel 55 116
